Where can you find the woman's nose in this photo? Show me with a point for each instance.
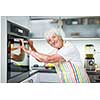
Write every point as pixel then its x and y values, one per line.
pixel 52 42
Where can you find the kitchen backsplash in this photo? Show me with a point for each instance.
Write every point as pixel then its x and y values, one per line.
pixel 43 47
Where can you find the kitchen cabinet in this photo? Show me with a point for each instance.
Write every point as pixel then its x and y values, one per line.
pixel 83 20
pixel 20 20
pixel 49 78
pixel 73 27
pixel 82 27
pixel 43 17
pixel 32 79
pixel 94 76
pixel 41 77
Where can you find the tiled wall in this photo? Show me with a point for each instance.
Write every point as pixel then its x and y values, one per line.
pixel 43 47
pixel 85 31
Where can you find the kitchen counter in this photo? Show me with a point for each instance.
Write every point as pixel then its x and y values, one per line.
pixel 94 76
pixel 28 74
pixel 43 69
pixel 93 73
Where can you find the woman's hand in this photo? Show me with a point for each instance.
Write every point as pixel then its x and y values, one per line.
pixel 31 45
pixel 22 44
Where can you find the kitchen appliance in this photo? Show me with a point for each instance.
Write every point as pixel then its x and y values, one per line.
pixel 17 59
pixel 89 62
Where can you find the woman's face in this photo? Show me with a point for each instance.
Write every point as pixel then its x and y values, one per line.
pixel 55 41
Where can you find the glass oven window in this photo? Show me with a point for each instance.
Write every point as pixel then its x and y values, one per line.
pixel 18 60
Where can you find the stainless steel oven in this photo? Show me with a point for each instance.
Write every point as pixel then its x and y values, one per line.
pixel 17 59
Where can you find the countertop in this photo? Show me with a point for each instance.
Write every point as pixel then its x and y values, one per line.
pixel 35 70
pixel 93 73
pixel 28 74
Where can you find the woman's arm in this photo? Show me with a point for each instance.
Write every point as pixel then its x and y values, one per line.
pixel 47 58
pixel 43 57
pixel 30 42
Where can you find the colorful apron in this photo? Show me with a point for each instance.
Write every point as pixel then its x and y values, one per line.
pixel 71 73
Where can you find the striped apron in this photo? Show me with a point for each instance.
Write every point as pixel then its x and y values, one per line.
pixel 71 73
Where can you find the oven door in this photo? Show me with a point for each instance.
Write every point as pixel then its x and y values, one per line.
pixel 18 60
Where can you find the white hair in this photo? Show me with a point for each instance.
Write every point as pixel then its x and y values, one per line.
pixel 51 32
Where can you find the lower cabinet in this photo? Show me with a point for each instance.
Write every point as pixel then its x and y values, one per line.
pixel 49 78
pixel 32 79
pixel 94 78
pixel 42 78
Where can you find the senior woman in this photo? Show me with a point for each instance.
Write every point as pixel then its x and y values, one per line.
pixel 67 58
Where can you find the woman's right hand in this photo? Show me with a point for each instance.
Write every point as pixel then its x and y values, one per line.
pixel 22 42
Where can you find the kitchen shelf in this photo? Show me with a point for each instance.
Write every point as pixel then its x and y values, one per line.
pixel 42 39
pixel 84 20
pixel 72 39
pixel 83 39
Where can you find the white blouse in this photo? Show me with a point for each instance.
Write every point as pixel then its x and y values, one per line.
pixel 70 53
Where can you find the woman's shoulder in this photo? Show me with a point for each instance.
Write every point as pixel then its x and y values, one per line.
pixel 67 44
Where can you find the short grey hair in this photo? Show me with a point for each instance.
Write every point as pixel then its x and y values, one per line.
pixel 51 32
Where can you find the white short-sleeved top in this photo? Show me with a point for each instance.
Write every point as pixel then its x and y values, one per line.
pixel 70 53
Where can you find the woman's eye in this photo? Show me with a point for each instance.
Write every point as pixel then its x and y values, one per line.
pixel 48 40
pixel 53 36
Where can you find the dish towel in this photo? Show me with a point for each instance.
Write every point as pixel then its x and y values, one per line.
pixel 71 73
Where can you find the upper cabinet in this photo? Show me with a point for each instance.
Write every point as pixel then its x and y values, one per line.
pixel 72 26
pixel 69 26
pixel 83 21
pixel 20 20
pixel 82 27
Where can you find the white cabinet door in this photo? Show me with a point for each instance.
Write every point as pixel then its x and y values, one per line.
pixel 20 20
pixel 49 78
pixel 32 79
pixel 43 78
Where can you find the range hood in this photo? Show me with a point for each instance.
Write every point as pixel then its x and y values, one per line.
pixel 52 17
pixel 43 17
pixel 56 17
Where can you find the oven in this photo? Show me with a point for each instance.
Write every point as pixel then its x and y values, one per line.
pixel 17 59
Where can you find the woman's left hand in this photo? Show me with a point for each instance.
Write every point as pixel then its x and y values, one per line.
pixel 31 45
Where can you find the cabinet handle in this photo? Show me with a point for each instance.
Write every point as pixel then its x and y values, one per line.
pixel 99 77
pixel 30 81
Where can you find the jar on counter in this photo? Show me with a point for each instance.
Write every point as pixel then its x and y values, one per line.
pixel 89 50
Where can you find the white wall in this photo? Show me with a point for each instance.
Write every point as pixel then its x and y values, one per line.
pixel 43 47
pixel 0 49
pixel 80 45
pixel 3 49
pixel 39 27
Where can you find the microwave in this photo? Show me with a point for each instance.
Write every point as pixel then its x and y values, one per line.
pixel 15 29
